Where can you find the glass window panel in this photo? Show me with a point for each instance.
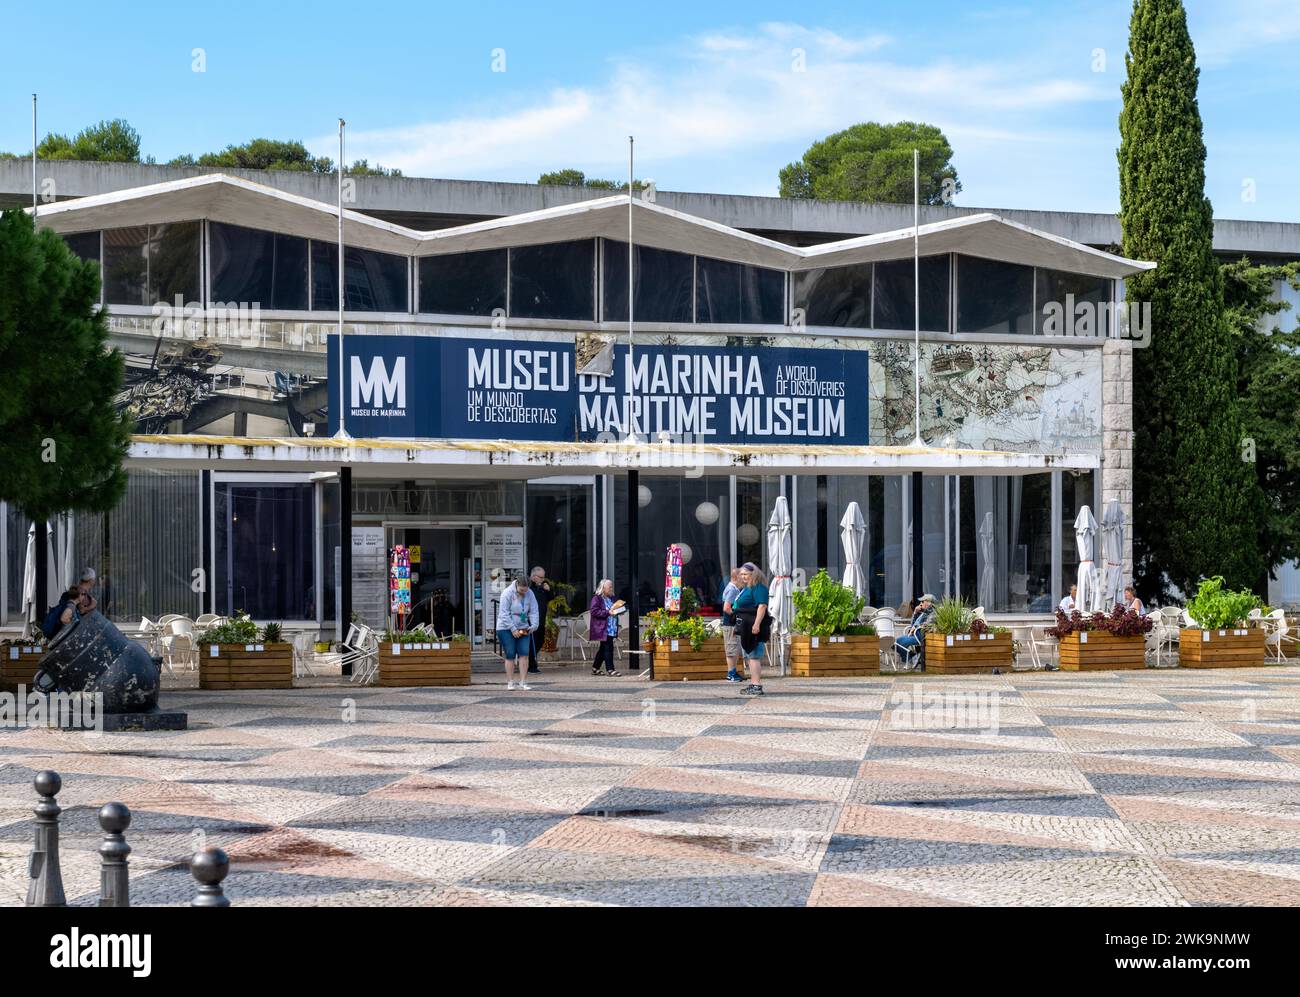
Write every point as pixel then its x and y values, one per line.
pixel 16 526
pixel 834 296
pixel 559 536
pixel 174 262
pixel 729 293
pixel 664 282
pixel 372 281
pixel 1054 285
pixel 147 548
pixel 256 267
pixel 994 297
pixel 556 280
pixel 673 513
pixel 894 304
pixel 1019 512
pixel 84 244
pixel 126 266
pixel 463 283
pixel 265 556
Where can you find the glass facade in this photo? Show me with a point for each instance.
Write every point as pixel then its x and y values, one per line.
pixel 729 293
pixel 556 281
pixel 372 282
pixel 894 303
pixel 463 283
pixel 839 297
pixel 146 264
pixel 265 550
pixel 994 297
pixel 1060 287
pixel 249 265
pixel 561 526
pixel 664 283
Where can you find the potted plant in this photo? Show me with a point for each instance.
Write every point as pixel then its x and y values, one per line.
pixel 558 606
pixel 19 658
pixel 420 657
pixel 684 648
pixel 959 643
pixel 828 640
pixel 1224 636
pixel 235 654
pixel 1101 642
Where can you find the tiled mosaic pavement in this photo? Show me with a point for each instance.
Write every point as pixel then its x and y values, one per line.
pixel 1138 788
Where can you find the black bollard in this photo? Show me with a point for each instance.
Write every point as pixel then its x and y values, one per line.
pixel 46 887
pixel 210 866
pixel 114 881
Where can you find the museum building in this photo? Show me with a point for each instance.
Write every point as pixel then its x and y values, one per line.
pixel 497 412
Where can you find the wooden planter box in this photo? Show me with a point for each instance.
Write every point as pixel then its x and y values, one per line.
pixel 687 664
pixel 1221 648
pixel 834 657
pixel 967 654
pixel 443 663
pixel 243 666
pixel 1099 651
pixel 18 669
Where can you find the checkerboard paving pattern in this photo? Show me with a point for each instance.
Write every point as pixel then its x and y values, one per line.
pixel 1128 788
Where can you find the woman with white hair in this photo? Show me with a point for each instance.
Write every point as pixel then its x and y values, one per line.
pixel 517 618
pixel 603 627
pixel 753 624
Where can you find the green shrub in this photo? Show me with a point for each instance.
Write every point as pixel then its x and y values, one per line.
pixel 1216 608
pixel 237 629
pixel 951 617
pixel 826 607
pixel 271 634
pixel 663 625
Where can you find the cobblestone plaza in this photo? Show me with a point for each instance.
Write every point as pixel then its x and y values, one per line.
pixel 1153 788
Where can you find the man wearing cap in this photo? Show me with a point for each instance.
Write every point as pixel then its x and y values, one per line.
pixel 85 601
pixel 913 640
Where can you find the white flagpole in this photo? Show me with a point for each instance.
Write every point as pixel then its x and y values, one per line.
pixel 916 288
pixel 342 431
pixel 33 156
pixel 631 341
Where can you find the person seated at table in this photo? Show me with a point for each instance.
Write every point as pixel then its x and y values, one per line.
pixel 912 640
pixel 1069 604
pixel 1132 602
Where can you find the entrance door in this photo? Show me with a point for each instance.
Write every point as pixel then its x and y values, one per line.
pixel 441 560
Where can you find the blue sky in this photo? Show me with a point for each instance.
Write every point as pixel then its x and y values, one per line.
pixel 716 94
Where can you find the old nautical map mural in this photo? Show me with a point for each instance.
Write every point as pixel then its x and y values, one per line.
pixel 988 396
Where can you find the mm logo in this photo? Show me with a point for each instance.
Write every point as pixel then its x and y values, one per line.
pixel 379 392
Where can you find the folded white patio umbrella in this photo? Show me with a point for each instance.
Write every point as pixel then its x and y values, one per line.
pixel 853 535
pixel 986 550
pixel 1112 542
pixel 1085 531
pixel 779 554
pixel 29 607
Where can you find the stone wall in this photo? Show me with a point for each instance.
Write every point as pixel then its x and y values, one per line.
pixel 1117 437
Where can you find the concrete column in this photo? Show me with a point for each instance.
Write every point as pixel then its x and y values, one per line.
pixel 1117 438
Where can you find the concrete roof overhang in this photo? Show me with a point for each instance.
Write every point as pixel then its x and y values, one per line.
pixel 404 459
pixel 241 202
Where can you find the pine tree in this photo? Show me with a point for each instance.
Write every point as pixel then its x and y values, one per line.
pixel 1196 503
pixel 61 441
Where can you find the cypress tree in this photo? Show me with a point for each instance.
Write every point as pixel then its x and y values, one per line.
pixel 1196 503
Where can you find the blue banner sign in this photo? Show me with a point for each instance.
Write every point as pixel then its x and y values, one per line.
pixel 450 388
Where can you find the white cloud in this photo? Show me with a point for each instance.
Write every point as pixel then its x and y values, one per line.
pixel 730 94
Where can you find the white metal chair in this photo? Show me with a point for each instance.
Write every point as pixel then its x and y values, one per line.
pixel 207 620
pixel 1278 632
pixel 360 650
pixel 1040 644
pixel 978 613
pixel 886 629
pixel 304 654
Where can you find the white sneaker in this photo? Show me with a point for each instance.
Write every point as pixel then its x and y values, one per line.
pixel 510 686
pixel 525 686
